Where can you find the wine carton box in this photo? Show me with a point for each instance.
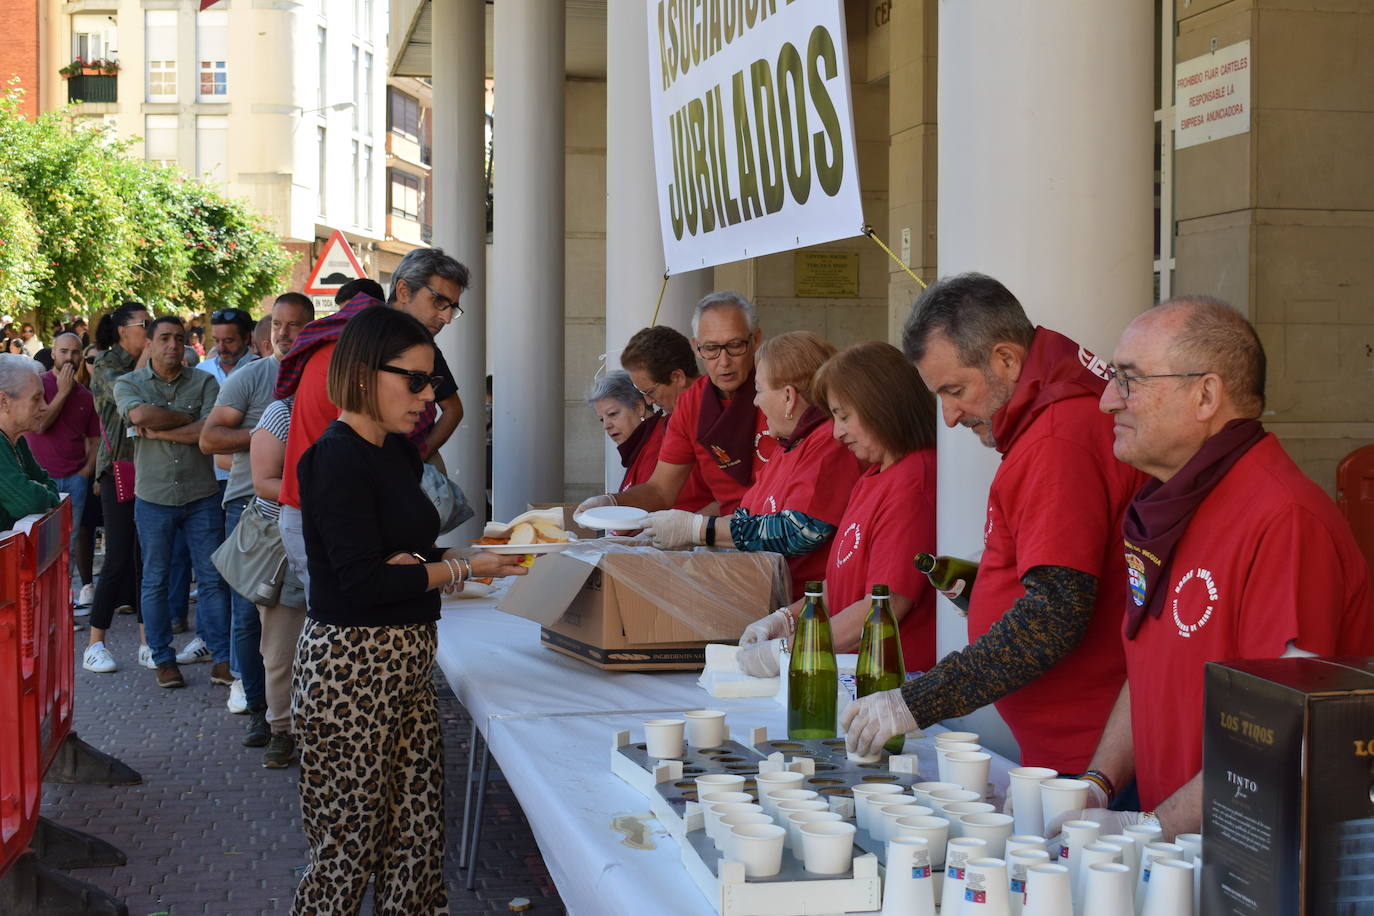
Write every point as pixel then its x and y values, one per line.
pixel 1288 796
pixel 644 609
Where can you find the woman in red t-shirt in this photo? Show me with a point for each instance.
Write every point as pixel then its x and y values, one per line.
pixel 802 476
pixel 883 413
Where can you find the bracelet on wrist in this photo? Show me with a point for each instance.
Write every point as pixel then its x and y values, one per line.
pixel 1102 781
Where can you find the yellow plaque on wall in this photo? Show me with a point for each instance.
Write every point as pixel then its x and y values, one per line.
pixel 827 274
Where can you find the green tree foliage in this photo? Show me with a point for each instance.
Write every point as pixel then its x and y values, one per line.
pixel 87 226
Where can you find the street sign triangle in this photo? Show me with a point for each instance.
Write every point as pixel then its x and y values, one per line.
pixel 337 265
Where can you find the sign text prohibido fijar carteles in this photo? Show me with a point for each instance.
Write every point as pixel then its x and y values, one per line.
pixel 1288 771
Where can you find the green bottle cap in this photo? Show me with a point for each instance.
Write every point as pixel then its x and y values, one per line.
pixel 813 587
pixel 880 591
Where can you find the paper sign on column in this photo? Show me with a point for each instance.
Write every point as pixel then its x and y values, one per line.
pixel 753 128
pixel 1212 96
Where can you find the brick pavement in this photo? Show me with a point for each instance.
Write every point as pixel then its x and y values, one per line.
pixel 211 832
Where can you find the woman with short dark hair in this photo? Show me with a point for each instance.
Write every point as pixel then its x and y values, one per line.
pixel 366 717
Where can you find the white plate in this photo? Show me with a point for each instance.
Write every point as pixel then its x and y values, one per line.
pixel 612 518
pixel 525 548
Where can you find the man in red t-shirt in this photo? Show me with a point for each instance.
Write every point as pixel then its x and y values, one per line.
pixel 1230 550
pixel 714 424
pixel 1044 612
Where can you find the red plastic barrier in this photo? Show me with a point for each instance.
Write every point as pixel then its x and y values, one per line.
pixel 45 605
pixel 21 777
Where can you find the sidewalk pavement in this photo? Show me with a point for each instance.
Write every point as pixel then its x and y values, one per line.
pixel 210 831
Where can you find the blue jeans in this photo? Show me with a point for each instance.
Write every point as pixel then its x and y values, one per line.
pixel 179 578
pixel 203 523
pixel 78 490
pixel 245 627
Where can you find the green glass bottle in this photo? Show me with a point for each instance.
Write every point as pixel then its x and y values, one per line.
pixel 951 576
pixel 880 664
pixel 813 678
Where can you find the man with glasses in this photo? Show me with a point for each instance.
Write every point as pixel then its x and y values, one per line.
pixel 714 425
pixel 228 431
pixel 426 284
pixel 1043 615
pixel 1230 551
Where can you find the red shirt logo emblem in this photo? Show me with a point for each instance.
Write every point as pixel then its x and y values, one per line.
pixel 849 543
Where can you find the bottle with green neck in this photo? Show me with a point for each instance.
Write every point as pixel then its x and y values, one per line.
pixel 812 677
pixel 880 664
pixel 951 576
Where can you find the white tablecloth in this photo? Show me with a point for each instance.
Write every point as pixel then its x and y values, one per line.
pixel 550 720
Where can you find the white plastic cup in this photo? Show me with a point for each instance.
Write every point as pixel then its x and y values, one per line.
pixel 1094 853
pixel 862 791
pixel 705 728
pixel 1018 860
pixel 1153 852
pixel 772 797
pixel 664 738
pixel 1048 891
pixel 1170 892
pixel 827 847
pixel 985 888
pixel 793 805
pixel 956 738
pixel 942 752
pixel 1108 890
pixel 1058 797
pixel 934 830
pixel 1024 789
pixel 1077 834
pixel 710 783
pixel 759 848
pixel 955 812
pixel 731 821
pixel 1130 856
pixel 723 797
pixel 853 757
pixel 969 769
pixel 923 790
pixel 989 826
pixel 957 856
pixel 885 810
pixel 1026 841
pixel 909 889
pixel 786 779
pixel 1192 845
pixel 795 819
pixel 717 811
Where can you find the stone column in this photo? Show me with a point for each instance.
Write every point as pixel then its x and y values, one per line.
pixel 459 189
pixel 527 256
pixel 634 242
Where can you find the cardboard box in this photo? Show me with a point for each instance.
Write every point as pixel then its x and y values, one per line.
pixel 640 609
pixel 1288 809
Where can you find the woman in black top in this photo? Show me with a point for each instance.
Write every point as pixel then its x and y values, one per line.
pixel 372 771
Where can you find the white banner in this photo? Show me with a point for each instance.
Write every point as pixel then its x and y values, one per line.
pixel 1212 96
pixel 753 128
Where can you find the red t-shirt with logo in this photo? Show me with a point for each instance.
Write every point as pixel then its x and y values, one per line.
pixel 694 495
pixel 890 518
pixel 311 413
pixel 1057 500
pixel 1267 560
pixel 680 445
pixel 816 478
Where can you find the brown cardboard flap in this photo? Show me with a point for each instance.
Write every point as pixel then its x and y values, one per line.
pixel 545 593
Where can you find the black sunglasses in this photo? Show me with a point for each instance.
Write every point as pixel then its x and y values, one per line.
pixel 418 380
pixel 220 316
pixel 90 360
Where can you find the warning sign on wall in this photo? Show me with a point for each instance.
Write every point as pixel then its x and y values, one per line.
pixel 337 265
pixel 1212 96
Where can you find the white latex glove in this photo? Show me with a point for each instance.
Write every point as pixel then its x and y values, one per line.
pixel 870 721
pixel 1112 821
pixel 595 502
pixel 675 528
pixel 777 625
pixel 760 659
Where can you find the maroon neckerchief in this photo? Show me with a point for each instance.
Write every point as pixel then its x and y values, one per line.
pixel 1055 369
pixel 811 418
pixel 629 449
pixel 726 430
pixel 1160 513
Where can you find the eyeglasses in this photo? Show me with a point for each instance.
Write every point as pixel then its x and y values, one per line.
pixel 443 303
pixel 145 324
pixel 90 360
pixel 418 380
pixel 1123 381
pixel 220 316
pixel 648 392
pixel 736 347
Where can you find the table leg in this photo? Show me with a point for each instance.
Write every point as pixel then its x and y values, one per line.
pixel 477 818
pixel 474 739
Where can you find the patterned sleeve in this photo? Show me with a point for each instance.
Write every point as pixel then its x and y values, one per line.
pixel 789 532
pixel 276 419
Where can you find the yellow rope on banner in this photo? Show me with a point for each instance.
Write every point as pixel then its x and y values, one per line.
pixel 868 231
pixel 661 290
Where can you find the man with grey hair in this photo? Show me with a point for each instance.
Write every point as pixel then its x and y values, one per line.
pixel 67 438
pixel 25 488
pixel 714 426
pixel 1231 551
pixel 1043 614
pixel 427 284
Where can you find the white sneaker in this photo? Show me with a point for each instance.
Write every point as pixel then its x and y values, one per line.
pixel 238 700
pixel 86 597
pixel 79 611
pixel 145 656
pixel 196 651
pixel 98 659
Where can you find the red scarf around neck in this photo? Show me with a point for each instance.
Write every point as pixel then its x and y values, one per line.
pixel 726 429
pixel 1055 369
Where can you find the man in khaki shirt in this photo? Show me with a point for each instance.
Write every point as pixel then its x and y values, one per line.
pixel 175 488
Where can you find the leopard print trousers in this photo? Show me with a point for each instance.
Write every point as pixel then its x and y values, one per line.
pixel 372 770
